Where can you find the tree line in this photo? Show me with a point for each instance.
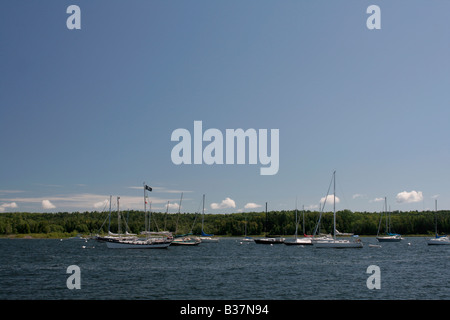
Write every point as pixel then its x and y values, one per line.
pixel 235 224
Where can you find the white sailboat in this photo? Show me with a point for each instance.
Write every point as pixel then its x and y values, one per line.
pixel 299 241
pixel 333 242
pixel 112 235
pixel 184 239
pixel 389 237
pixel 204 237
pixel 438 240
pixel 156 240
pixel 152 240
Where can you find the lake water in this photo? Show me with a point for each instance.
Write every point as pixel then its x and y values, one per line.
pixel 37 269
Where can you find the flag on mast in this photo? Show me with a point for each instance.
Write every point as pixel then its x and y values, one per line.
pixel 148 188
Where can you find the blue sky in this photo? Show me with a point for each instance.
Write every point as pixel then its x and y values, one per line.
pixel 89 113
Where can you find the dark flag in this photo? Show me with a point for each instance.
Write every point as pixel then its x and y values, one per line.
pixel 148 188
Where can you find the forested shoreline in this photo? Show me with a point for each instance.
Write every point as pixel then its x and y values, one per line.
pixel 234 224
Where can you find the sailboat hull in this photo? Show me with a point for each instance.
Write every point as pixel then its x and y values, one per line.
pixel 269 240
pixel 389 239
pixel 185 242
pixel 179 244
pixel 113 238
pixel 439 241
pixel 140 244
pixel 337 244
pixel 298 242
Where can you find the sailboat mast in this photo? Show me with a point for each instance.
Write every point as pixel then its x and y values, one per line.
pixel 334 204
pixel 181 199
pixel 145 208
pixel 385 211
pixel 179 210
pixel 109 226
pixel 118 217
pixel 145 199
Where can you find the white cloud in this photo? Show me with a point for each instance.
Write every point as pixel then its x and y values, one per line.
pixel 174 206
pixel 252 205
pixel 227 203
pixel 312 207
pixel 329 199
pixel 101 204
pixel 358 195
pixel 377 200
pixel 9 205
pixel 46 204
pixel 86 201
pixel 4 206
pixel 409 197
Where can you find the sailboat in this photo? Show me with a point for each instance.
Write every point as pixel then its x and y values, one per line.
pixel 299 241
pixel 204 237
pixel 438 240
pixel 333 242
pixel 267 239
pixel 112 235
pixel 389 237
pixel 153 240
pixel 184 239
